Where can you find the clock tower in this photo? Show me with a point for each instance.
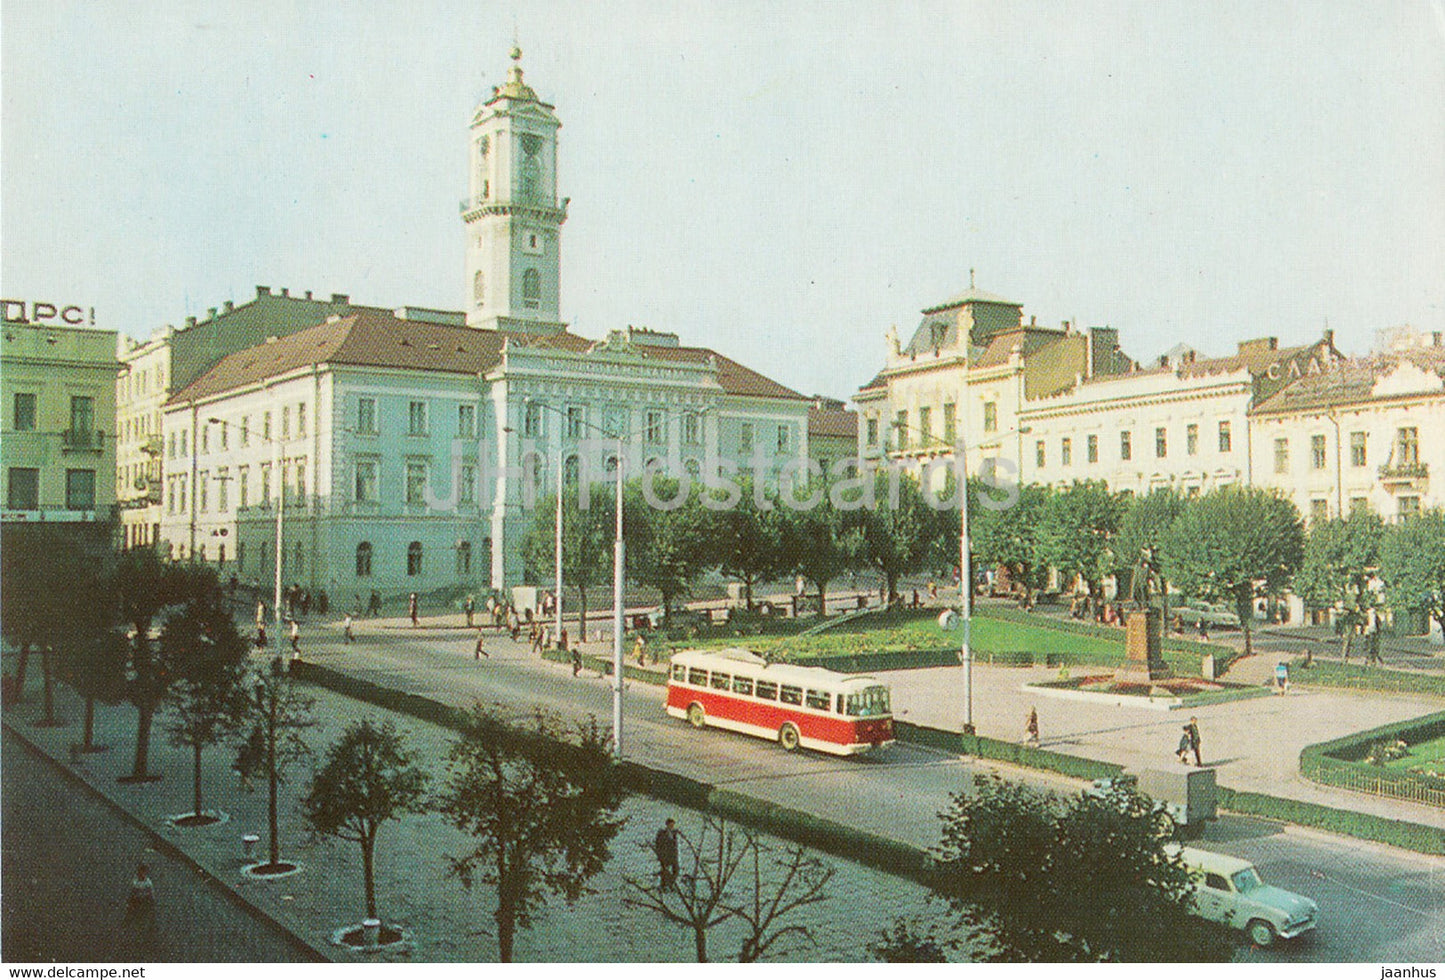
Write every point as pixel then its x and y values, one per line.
pixel 512 213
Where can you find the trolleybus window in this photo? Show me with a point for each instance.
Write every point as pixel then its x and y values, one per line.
pixel 870 701
pixel 721 681
pixel 742 685
pixel 818 700
pixel 790 694
pixel 697 677
pixel 768 690
pixel 679 672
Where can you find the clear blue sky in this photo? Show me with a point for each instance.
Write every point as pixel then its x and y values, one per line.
pixel 781 181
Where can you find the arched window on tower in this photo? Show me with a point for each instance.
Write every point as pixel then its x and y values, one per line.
pixel 363 560
pixel 413 558
pixel 531 289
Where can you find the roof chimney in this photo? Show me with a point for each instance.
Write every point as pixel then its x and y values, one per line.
pixel 308 294
pixel 190 322
pixel 211 313
pixel 286 292
pixel 229 306
pixel 340 298
pixel 263 291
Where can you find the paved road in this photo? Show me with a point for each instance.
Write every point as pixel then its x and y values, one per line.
pixel 68 861
pixel 1379 904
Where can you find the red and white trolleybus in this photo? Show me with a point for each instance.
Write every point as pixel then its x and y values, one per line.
pixel 736 689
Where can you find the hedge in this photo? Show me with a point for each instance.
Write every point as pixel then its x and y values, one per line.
pixel 603 665
pixel 1010 752
pixel 1196 651
pixel 1366 826
pixel 1326 673
pixel 1340 762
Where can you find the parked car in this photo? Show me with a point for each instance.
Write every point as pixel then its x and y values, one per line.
pixel 1229 890
pixel 1215 617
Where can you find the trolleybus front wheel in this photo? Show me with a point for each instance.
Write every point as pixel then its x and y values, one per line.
pixel 696 716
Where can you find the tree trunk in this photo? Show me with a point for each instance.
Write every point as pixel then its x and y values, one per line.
pixel 892 579
pixel 699 941
pixel 20 671
pixel 89 739
pixel 506 917
pixel 748 591
pixel 582 614
pixel 1346 636
pixel 196 779
pixel 368 846
pixel 144 714
pixel 823 600
pixel 46 657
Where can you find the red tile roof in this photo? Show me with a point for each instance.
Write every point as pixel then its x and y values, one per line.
pixel 837 423
pixel 371 337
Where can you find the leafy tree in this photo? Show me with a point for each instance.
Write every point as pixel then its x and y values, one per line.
pixel 901 533
pixel 911 942
pixel 275 744
pixel 1226 542
pixel 367 779
pixel 1145 524
pixel 94 666
pixel 819 539
pixel 1076 532
pixel 665 547
pixel 205 658
pixel 142 586
pixel 1007 536
pixel 1412 562
pixel 542 810
pixel 587 537
pixel 1081 879
pixel 730 873
pixel 1337 570
pixel 51 597
pixel 744 540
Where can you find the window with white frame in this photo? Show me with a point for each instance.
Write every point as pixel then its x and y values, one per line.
pixel 416 418
pixel 466 421
pixel 576 421
pixel 691 431
pixel 784 438
pixel 467 484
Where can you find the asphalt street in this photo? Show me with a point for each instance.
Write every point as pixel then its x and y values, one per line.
pixel 1379 904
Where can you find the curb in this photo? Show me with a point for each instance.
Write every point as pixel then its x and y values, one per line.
pixel 309 952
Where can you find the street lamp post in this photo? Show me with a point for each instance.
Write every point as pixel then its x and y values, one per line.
pixel 619 565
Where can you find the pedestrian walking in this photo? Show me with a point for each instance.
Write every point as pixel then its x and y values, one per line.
pixel 412 608
pixel 346 634
pixel 295 640
pixel 260 615
pixel 480 650
pixel 471 608
pixel 640 652
pixel 562 640
pixel 514 626
pixel 1182 752
pixel 664 845
pixel 373 605
pixel 1032 726
pixel 1281 676
pixel 539 638
pixel 576 660
pixel 140 905
pixel 260 636
pixel 1192 729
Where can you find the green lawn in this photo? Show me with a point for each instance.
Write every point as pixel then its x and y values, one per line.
pixel 909 631
pixel 1427 758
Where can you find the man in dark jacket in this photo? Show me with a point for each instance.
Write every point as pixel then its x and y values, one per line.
pixel 665 846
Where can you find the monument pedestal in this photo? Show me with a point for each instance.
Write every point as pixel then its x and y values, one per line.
pixel 1143 648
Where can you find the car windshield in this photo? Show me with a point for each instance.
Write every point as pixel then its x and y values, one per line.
pixel 870 701
pixel 1246 880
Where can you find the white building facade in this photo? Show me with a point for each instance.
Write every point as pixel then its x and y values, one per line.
pixel 1367 433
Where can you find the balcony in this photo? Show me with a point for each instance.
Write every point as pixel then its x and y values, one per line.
pixel 1403 474
pixel 83 440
